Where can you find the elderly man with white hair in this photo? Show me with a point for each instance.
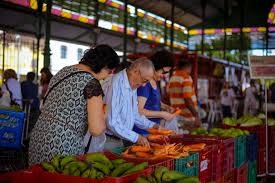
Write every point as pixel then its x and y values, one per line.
pixel 121 99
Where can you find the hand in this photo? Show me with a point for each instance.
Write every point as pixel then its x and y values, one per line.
pixel 143 141
pixel 167 116
pixel 171 109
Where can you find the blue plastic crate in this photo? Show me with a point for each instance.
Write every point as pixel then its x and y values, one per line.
pixel 11 128
pixel 251 147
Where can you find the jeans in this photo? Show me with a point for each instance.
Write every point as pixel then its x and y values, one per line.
pixel 226 111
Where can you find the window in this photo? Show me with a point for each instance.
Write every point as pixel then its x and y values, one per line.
pixel 79 53
pixel 63 51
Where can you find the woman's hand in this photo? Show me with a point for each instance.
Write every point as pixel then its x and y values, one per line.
pixel 167 116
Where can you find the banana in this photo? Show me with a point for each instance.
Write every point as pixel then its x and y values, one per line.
pixel 159 173
pixel 73 169
pixel 117 162
pixel 136 168
pixel 172 175
pixel 98 157
pixel 82 166
pixel 121 169
pixel 189 180
pixel 102 167
pixel 151 179
pixel 92 173
pixel 86 173
pixel 66 171
pixel 56 162
pixel 47 166
pixel 76 173
pixel 66 160
pixel 71 164
pixel 142 179
pixel 99 175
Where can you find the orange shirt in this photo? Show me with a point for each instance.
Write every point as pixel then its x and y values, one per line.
pixel 180 88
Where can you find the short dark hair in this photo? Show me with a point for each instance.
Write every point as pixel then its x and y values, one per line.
pixel 184 63
pixel 30 76
pixel 48 73
pixel 100 57
pixel 162 59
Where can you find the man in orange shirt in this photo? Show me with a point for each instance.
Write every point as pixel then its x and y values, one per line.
pixel 182 93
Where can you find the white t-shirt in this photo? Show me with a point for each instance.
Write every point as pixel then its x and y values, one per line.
pixel 14 87
pixel 227 97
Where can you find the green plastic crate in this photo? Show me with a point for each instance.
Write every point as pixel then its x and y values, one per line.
pixel 188 165
pixel 252 172
pixel 118 150
pixel 239 151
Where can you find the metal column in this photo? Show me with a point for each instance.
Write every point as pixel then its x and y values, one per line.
pixel 38 35
pixel 4 49
pixel 96 30
pixel 136 39
pixel 224 28
pixel 125 31
pixel 172 26
pixel 165 32
pixel 47 50
pixel 203 5
pixel 241 2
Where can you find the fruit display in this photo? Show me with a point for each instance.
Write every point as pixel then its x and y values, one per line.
pixel 232 132
pixel 271 122
pixel 245 121
pixel 95 165
pixel 162 174
pixel 161 151
pixel 164 132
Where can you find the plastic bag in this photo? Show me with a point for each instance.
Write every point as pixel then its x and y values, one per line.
pixel 97 143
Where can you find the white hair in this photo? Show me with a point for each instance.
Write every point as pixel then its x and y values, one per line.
pixel 143 64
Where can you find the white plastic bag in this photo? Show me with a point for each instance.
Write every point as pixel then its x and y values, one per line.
pixel 97 143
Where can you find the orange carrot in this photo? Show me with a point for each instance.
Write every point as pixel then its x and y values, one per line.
pixel 143 155
pixel 137 148
pixel 177 112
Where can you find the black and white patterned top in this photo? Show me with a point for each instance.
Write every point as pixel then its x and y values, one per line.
pixel 62 123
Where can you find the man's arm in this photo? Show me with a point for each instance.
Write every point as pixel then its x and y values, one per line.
pixel 190 105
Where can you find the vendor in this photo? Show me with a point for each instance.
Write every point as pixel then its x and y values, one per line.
pixel 72 105
pixel 149 98
pixel 121 99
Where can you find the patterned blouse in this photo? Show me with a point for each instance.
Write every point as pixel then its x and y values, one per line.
pixel 62 124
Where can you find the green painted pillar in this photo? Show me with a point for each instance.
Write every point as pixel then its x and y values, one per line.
pixel 47 50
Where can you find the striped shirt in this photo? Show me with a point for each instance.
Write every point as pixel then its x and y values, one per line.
pixel 180 88
pixel 122 104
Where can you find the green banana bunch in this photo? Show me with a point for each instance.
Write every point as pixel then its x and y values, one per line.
pixel 66 160
pixel 172 175
pixel 101 167
pixel 82 166
pixel 56 162
pixel 159 173
pixel 98 157
pixel 151 179
pixel 76 172
pixel 99 175
pixel 188 180
pixel 49 167
pixel 93 173
pixel 86 173
pixel 117 162
pixel 121 169
pixel 136 168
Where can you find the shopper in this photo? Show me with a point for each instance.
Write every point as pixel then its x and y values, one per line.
pixel 12 86
pixel 149 98
pixel 182 94
pixel 46 76
pixel 72 105
pixel 227 100
pixel 121 99
pixel 251 104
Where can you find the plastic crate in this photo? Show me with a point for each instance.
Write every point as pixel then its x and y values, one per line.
pixel 271 160
pixel 11 128
pixel 205 158
pixel 153 163
pixel 241 174
pixel 261 162
pixel 239 151
pixel 252 172
pixel 223 155
pixel 271 136
pixel 188 165
pixel 251 147
pixel 22 176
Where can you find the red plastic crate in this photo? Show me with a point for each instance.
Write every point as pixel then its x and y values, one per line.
pixel 259 130
pixel 227 178
pixel 271 136
pixel 261 162
pixel 241 174
pixel 205 158
pixel 271 160
pixel 223 153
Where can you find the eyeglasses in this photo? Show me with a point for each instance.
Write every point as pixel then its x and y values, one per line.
pixel 142 79
pixel 164 71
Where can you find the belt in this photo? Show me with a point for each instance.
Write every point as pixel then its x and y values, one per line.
pixel 112 136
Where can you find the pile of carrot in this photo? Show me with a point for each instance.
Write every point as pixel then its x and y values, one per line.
pixel 157 151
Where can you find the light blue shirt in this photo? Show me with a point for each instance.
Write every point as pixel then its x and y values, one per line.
pixel 122 104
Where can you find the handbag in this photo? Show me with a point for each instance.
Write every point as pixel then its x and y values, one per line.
pixel 13 102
